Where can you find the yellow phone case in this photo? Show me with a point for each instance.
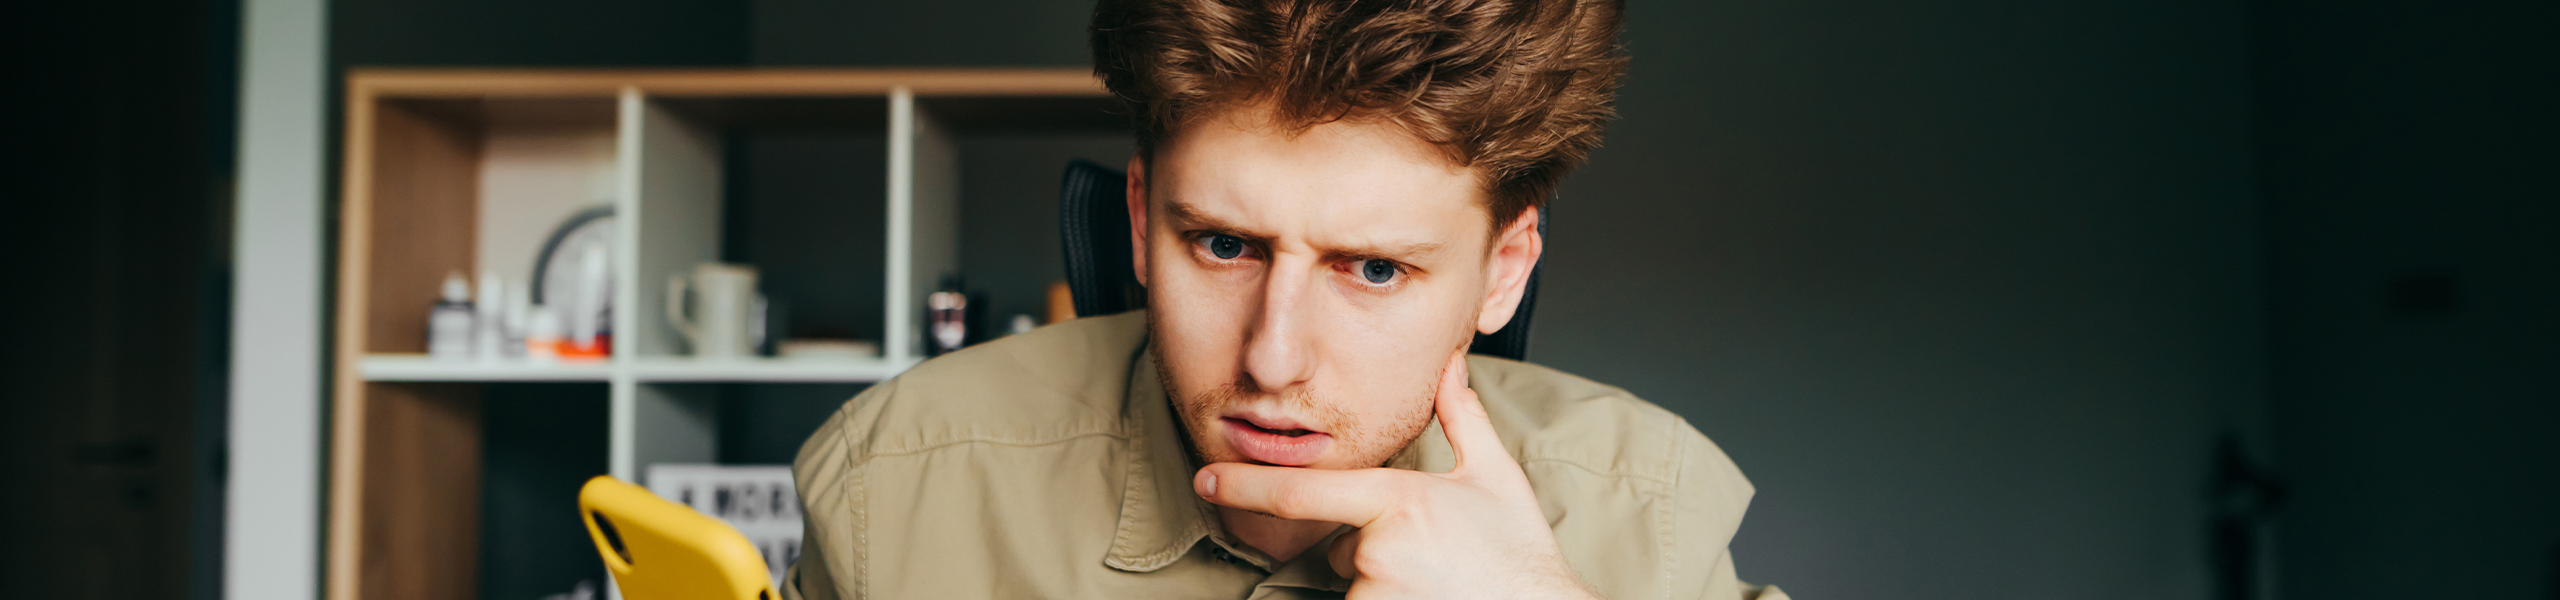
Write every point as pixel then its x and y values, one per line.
pixel 658 549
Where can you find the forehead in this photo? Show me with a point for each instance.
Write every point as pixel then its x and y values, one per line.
pixel 1355 182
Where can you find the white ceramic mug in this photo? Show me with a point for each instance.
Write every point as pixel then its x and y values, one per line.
pixel 724 295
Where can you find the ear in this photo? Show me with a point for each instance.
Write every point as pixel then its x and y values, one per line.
pixel 1137 193
pixel 1514 255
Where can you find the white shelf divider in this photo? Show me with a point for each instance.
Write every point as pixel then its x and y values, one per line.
pixel 621 432
pixel 924 220
pixel 418 367
pixel 672 424
pixel 898 338
pixel 765 370
pixel 654 369
pixel 674 222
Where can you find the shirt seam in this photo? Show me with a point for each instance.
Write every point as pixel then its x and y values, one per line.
pixel 1621 397
pixel 1663 509
pixel 859 493
pixel 1655 479
pixel 867 456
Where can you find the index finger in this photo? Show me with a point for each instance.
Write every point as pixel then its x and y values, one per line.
pixel 1463 419
pixel 1356 497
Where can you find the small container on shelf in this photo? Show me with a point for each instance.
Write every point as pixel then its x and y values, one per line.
pixel 449 325
pixel 542 339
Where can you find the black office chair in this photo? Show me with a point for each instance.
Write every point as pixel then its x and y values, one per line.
pixel 1093 223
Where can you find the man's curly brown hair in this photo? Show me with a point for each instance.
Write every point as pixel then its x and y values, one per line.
pixel 1516 89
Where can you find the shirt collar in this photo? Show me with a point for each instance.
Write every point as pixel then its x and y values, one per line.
pixel 1161 519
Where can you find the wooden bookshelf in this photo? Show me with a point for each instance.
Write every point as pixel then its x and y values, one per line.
pixel 434 157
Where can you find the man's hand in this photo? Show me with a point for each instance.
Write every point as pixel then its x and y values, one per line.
pixel 1474 532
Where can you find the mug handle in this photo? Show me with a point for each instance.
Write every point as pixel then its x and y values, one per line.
pixel 675 307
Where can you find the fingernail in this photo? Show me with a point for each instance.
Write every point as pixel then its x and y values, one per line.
pixel 1208 484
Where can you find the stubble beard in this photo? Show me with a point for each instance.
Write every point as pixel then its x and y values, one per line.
pixel 1369 446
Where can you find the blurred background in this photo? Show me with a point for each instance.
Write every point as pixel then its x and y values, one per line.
pixel 1992 299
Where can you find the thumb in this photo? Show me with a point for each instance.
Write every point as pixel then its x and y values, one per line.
pixel 1345 547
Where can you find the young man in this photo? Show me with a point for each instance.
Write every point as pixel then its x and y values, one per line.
pixel 1329 198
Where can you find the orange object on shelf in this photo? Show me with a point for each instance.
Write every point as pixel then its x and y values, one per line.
pixel 1062 302
pixel 603 349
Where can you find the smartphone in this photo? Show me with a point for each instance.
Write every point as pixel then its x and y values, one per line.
pixel 657 549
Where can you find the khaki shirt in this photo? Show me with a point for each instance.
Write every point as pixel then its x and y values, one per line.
pixel 1050 465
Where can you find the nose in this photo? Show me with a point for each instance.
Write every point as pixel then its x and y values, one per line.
pixel 1278 353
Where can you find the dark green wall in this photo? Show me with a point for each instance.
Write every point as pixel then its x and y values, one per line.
pixel 1967 289
pixel 537 33
pixel 115 211
pixel 2414 241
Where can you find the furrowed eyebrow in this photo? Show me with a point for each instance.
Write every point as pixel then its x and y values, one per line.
pixel 1185 216
pixel 1406 253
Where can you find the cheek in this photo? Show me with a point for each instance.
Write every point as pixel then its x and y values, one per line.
pixel 1384 357
pixel 1418 325
pixel 1200 320
pixel 1377 381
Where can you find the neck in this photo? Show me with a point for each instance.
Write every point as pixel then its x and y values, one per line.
pixel 1283 539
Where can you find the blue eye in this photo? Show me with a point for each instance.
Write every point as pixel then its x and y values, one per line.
pixel 1225 246
pixel 1378 270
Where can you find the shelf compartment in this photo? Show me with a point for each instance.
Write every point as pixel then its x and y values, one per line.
pixel 459 186
pixel 539 444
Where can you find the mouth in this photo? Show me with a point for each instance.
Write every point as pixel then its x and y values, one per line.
pixel 1275 441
